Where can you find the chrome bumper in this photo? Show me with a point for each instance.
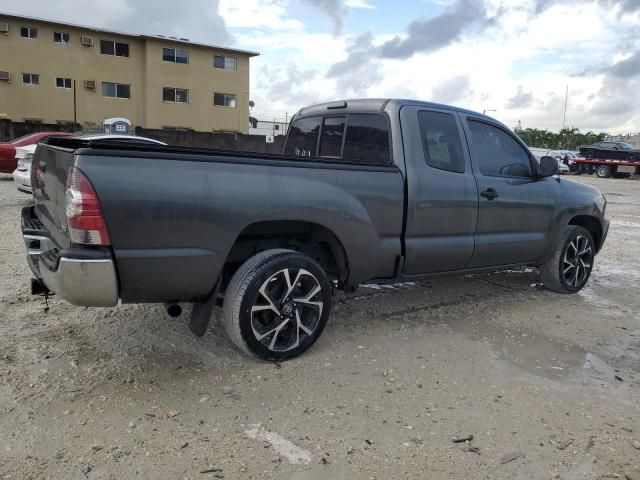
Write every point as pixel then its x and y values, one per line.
pixel 90 283
pixel 77 276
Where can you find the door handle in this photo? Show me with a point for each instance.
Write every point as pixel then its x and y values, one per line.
pixel 489 193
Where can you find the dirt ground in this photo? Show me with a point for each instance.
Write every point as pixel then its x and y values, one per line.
pixel 547 385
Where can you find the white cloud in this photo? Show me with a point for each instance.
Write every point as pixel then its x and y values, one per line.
pixel 518 60
pixel 364 4
pixel 257 14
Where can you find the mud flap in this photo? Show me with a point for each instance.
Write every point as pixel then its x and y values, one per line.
pixel 201 313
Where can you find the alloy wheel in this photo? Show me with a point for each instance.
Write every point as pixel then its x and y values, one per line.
pixel 577 262
pixel 287 309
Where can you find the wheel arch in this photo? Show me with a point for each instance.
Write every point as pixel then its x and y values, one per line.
pixel 312 239
pixel 592 225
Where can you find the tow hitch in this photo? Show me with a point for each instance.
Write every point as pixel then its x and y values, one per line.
pixel 39 288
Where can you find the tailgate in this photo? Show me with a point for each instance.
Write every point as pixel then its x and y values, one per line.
pixel 48 179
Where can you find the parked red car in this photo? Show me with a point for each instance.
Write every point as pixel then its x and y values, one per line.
pixel 8 150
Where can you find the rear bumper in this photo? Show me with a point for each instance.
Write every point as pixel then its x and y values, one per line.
pixel 85 277
pixel 22 180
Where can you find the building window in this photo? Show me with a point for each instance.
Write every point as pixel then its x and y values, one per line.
pixel 116 90
pixel 178 95
pixel 224 100
pixel 175 55
pixel 224 63
pixel 61 37
pixel 117 49
pixel 63 82
pixel 31 79
pixel 29 32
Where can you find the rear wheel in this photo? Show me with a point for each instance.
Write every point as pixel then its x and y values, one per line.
pixel 277 304
pixel 570 268
pixel 603 171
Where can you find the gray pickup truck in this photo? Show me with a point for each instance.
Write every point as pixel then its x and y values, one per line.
pixel 365 191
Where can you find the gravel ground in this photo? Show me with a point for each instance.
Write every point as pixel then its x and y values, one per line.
pixel 547 386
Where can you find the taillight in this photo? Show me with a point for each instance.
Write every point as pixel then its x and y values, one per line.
pixel 84 215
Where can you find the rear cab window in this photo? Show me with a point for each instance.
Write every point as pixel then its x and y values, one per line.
pixel 303 137
pixel 361 138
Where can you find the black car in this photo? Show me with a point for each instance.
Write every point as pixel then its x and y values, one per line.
pixel 610 150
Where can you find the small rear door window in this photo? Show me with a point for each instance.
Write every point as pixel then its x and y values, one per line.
pixel 441 141
pixel 303 137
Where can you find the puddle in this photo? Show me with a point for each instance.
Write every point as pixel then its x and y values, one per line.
pixel 535 354
pixel 590 295
pixel 389 286
pixel 541 356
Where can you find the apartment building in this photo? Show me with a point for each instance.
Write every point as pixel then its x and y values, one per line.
pixel 53 72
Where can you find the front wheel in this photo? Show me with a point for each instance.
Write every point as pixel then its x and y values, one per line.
pixel 277 304
pixel 570 267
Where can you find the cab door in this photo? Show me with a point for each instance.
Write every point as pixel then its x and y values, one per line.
pixel 442 199
pixel 516 207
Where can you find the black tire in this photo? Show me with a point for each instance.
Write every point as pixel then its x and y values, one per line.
pixel 603 171
pixel 574 255
pixel 256 303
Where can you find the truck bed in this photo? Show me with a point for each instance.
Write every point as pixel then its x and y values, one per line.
pixel 174 214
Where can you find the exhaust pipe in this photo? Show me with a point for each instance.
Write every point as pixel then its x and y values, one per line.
pixel 174 310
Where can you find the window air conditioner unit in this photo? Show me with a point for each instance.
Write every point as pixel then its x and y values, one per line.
pixel 90 84
pixel 86 41
pixel 4 27
pixel 5 76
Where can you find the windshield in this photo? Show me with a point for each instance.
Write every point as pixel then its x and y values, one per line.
pixel 625 146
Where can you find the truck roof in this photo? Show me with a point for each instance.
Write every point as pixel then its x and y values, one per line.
pixel 376 105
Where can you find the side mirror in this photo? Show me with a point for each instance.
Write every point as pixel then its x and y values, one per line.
pixel 548 167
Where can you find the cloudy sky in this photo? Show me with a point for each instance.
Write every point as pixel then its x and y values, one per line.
pixel 514 57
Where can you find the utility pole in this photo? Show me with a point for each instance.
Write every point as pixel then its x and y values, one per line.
pixel 75 104
pixel 564 115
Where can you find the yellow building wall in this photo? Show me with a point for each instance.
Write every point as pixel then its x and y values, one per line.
pixel 144 70
pixel 202 80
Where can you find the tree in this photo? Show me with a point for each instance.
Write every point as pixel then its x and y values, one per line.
pixel 565 139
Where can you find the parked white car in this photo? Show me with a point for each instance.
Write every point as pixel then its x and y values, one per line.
pixel 561 155
pixel 22 173
pixel 538 153
pixel 24 155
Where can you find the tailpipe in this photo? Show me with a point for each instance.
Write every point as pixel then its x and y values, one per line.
pixel 173 310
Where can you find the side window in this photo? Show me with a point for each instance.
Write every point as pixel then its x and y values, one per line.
pixel 441 141
pixel 498 154
pixel 367 139
pixel 303 137
pixel 332 135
